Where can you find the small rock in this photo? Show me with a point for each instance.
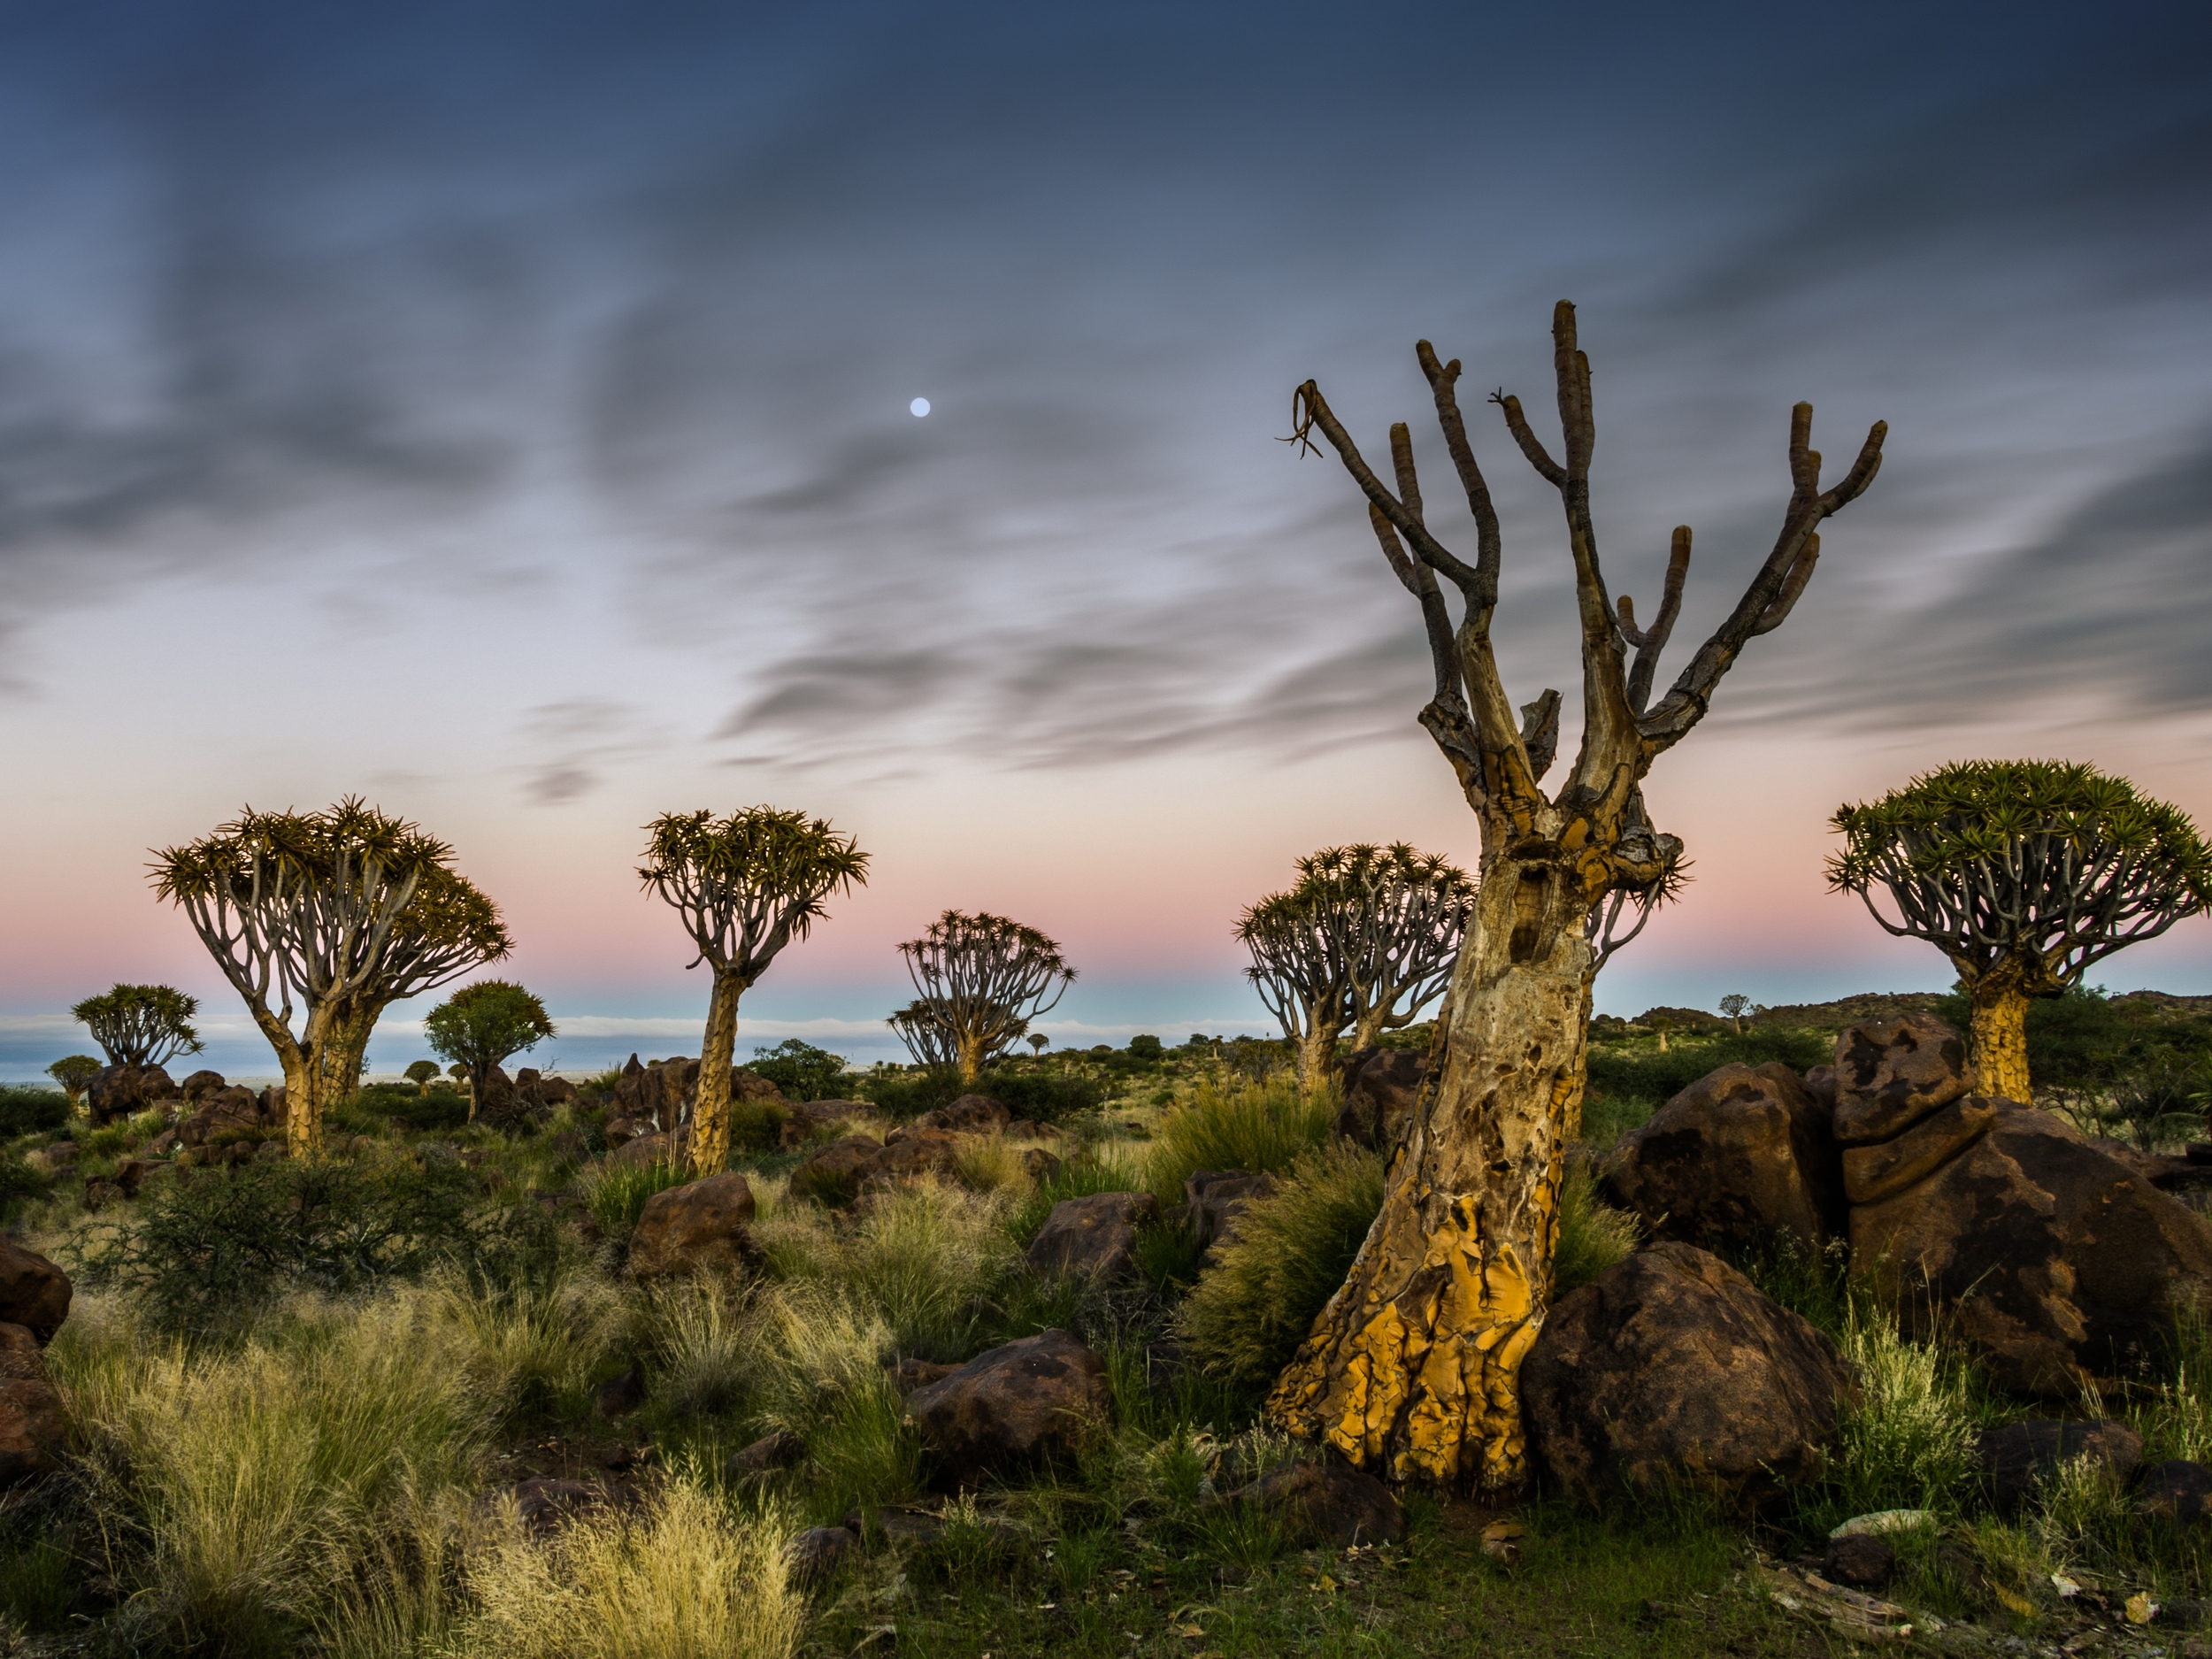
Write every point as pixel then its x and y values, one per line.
pixel 764 1456
pixel 99 1194
pixel 618 1396
pixel 700 1227
pixel 546 1505
pixel 1014 1407
pixel 31 1423
pixel 1215 1198
pixel 1095 1235
pixel 2014 1458
pixel 817 1553
pixel 1321 1503
pixel 1860 1560
pixel 2177 1492
pixel 34 1293
pixel 1043 1167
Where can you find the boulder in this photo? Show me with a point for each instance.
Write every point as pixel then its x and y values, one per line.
pixel 969 1114
pixel 1043 1167
pixel 916 1151
pixel 31 1423
pixel 1860 1560
pixel 653 1148
pixel 1095 1235
pixel 34 1293
pixel 2015 1459
pixel 1891 1072
pixel 660 1090
pixel 2047 1255
pixel 700 1227
pixel 199 1086
pixel 1382 1087
pixel 1673 1367
pixel 2177 1492
pixel 619 1132
pixel 1886 1168
pixel 272 1107
pixel 1738 1157
pixel 222 1115
pixel 1012 1408
pixel 121 1091
pixel 764 1456
pixel 908 1374
pixel 1214 1198
pixel 834 1174
pixel 1322 1503
pixel 1820 1083
pixel 817 1553
pixel 131 1174
pixel 806 1121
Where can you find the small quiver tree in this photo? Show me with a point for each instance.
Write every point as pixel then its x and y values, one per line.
pixel 479 1026
pixel 1397 918
pixel 746 885
pixel 422 1074
pixel 1735 1005
pixel 2024 873
pixel 310 905
pixel 1412 1370
pixel 74 1072
pixel 979 981
pixel 935 1046
pixel 1299 970
pixel 141 1024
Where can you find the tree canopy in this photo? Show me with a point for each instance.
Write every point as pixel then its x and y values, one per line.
pixel 979 980
pixel 1396 917
pixel 481 1025
pixel 74 1072
pixel 1299 970
pixel 141 1024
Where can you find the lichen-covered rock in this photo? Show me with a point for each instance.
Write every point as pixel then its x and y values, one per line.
pixel 805 1121
pixel 652 1148
pixel 2177 1492
pixel 834 1174
pixel 1891 1072
pixel 2047 1255
pixel 969 1114
pixel 1737 1157
pixel 34 1293
pixel 122 1091
pixel 1095 1235
pixel 1672 1368
pixel 1322 1503
pixel 1886 1168
pixel 703 1226
pixel 1012 1408
pixel 199 1086
pixel 222 1115
pixel 1382 1087
pixel 915 1152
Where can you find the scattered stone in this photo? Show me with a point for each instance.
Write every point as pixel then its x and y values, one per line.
pixel 2177 1492
pixel 31 1423
pixel 700 1227
pixel 2048 1256
pixel 969 1114
pixel 915 1152
pixel 834 1174
pixel 1095 1235
pixel 618 1396
pixel 1322 1503
pixel 1382 1087
pixel 1873 1173
pixel 34 1293
pixel 1016 1406
pixel 123 1091
pixel 779 1450
pixel 817 1553
pixel 1860 1560
pixel 1736 1158
pixel 909 1374
pixel 1215 1198
pixel 546 1505
pixel 1041 1167
pixel 1891 1072
pixel 1674 1367
pixel 2014 1458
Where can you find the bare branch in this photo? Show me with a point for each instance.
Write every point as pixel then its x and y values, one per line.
pixel 1649 644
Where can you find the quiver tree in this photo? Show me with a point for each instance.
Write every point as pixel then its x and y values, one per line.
pixel 932 1044
pixel 323 907
pixel 141 1024
pixel 422 1074
pixel 746 885
pixel 1298 969
pixel 74 1072
pixel 981 980
pixel 1397 917
pixel 481 1026
pixel 2024 873
pixel 1413 1368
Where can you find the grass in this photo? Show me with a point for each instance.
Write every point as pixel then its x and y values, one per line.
pixel 1262 1127
pixel 618 1193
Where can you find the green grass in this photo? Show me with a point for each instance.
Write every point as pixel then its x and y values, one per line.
pixel 1229 1123
pixel 618 1193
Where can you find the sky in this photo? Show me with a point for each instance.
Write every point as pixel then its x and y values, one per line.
pixel 504 412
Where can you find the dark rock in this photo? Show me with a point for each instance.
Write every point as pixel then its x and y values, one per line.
pixel 1215 1198
pixel 273 1110
pixel 164 1144
pixel 1023 1129
pixel 31 1423
pixel 267 1152
pixel 620 1132
pixel 221 1117
pixel 2177 1492
pixel 2043 1253
pixel 897 1526
pixel 1736 1158
pixel 1095 1235
pixel 654 1148
pixel 546 1505
pixel 618 1396
pixel 34 1293
pixel 1674 1367
pixel 1043 1167
pixel 131 1174
pixel 99 1194
pixel 908 1374
pixel 914 1151
pixel 806 1121
pixel 1893 1072
pixel 1873 1173
pixel 969 1114
pixel 54 1159
pixel 834 1174
pixel 1014 1407
pixel 700 1227
pixel 1321 1503
pixel 121 1091
pixel 779 1450
pixel 200 1085
pixel 2015 1458
pixel 1820 1083
pixel 567 1144
pixel 818 1553
pixel 1860 1560
pixel 1382 1087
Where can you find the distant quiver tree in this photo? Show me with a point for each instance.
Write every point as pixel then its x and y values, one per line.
pixel 1398 917
pixel 422 1074
pixel 141 1024
pixel 1298 969
pixel 978 981
pixel 2024 873
pixel 319 906
pixel 481 1026
pixel 1412 1370
pixel 74 1072
pixel 746 885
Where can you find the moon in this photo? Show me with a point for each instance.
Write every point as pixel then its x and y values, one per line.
pixel 920 406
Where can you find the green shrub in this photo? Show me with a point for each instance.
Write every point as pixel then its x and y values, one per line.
pixel 1079 1177
pixel 1291 1252
pixel 27 1109
pixel 1628 1082
pixel 755 1126
pixel 1593 1235
pixel 617 1193
pixel 1260 1127
pixel 1908 1443
pixel 802 1071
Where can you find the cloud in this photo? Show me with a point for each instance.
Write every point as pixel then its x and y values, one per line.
pixel 579 740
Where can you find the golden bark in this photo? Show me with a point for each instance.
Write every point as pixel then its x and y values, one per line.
pixel 2000 1034
pixel 971 1056
pixel 711 1110
pixel 1315 1055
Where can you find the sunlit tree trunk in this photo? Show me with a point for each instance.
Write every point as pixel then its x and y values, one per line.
pixel 2000 1001
pixel 710 1111
pixel 970 1057
pixel 1315 1054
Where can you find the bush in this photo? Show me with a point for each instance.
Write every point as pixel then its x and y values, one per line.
pixel 1593 1235
pixel 1628 1083
pixel 618 1193
pixel 27 1109
pixel 802 1071
pixel 1908 1443
pixel 1260 1127
pixel 1041 1097
pixel 1291 1252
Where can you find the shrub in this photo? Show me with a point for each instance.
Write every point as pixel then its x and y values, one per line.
pixel 1146 1047
pixel 699 1349
pixel 525 1346
pixel 755 1126
pixel 1037 1094
pixel 1626 1084
pixel 618 1193
pixel 27 1109
pixel 1908 1443
pixel 1262 1128
pixel 802 1071
pixel 1291 1252
pixel 1593 1235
